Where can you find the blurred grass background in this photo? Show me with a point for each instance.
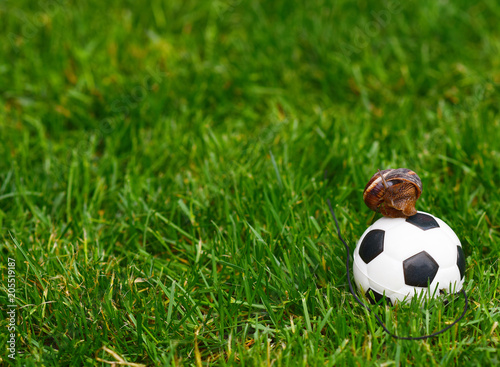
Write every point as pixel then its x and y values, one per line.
pixel 164 168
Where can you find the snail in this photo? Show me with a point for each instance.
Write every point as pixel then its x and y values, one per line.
pixel 393 192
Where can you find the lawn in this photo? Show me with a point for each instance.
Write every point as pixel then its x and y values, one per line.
pixel 165 168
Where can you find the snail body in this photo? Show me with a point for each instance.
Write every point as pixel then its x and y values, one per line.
pixel 393 192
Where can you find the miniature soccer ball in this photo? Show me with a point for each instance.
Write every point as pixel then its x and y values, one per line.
pixel 401 258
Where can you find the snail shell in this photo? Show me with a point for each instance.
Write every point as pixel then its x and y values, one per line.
pixel 393 192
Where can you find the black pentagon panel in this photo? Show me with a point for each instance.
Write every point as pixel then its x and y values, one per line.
pixel 372 245
pixel 461 261
pixel 423 221
pixel 375 297
pixel 420 269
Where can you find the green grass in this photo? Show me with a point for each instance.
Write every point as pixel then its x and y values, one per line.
pixel 163 186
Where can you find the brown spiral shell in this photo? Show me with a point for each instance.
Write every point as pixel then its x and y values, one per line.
pixel 393 192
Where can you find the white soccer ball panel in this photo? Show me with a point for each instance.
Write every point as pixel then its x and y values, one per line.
pixel 360 276
pixel 385 223
pixel 442 249
pixel 404 241
pixel 385 273
pixel 447 230
pixel 448 277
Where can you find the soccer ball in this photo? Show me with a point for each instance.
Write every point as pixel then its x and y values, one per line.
pixel 401 258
